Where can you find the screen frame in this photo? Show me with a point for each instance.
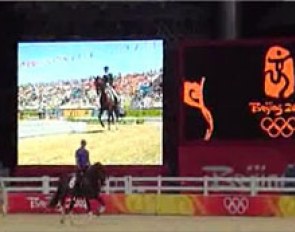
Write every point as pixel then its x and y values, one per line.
pixel 53 39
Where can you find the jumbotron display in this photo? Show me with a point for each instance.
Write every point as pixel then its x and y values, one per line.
pixel 238 91
pixel 108 93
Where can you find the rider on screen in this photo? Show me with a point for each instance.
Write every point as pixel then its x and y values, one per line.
pixel 108 81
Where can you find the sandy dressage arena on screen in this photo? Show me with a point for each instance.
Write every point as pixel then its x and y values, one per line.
pixel 122 223
pixel 129 144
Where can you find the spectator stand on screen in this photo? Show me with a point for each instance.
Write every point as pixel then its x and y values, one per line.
pixel 136 91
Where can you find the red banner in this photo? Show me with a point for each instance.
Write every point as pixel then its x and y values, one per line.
pixel 236 159
pixel 38 203
pixel 239 205
pixel 167 204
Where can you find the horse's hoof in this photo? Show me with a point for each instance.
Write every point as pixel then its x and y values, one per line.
pixel 71 222
pixel 102 209
pixel 62 221
pixel 90 215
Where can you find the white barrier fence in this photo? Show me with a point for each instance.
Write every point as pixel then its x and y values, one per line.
pixel 128 185
pixel 34 128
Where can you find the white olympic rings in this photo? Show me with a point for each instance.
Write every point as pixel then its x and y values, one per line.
pixel 236 205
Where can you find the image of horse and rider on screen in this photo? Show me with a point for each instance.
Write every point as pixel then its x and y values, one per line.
pixel 92 88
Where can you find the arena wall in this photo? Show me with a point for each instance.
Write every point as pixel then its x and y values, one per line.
pixel 236 158
pixel 168 204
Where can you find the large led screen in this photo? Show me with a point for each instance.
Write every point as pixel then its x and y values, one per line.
pixel 63 87
pixel 238 91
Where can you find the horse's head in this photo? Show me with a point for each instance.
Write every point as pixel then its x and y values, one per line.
pixel 97 172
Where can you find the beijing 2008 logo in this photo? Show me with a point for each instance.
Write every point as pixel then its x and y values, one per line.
pixel 278 119
pixel 193 96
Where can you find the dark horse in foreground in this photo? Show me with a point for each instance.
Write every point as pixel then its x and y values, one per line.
pixel 89 188
pixel 108 103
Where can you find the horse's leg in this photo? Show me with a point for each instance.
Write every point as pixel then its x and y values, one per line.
pixel 116 119
pixel 102 205
pixel 89 211
pixel 72 203
pixel 109 118
pixel 100 115
pixel 116 111
pixel 69 210
pixel 88 207
pixel 112 116
pixel 62 209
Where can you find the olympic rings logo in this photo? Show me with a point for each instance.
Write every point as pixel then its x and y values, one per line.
pixel 278 126
pixel 236 205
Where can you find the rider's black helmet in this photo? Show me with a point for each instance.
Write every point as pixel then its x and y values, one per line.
pixel 83 142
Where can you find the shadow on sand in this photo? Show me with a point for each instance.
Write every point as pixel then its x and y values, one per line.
pixel 93 131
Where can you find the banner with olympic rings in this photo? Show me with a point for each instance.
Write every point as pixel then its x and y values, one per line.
pixel 167 204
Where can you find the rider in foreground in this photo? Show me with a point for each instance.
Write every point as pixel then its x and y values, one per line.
pixel 82 162
pixel 75 188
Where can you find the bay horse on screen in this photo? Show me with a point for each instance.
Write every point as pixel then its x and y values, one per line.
pixel 89 188
pixel 108 102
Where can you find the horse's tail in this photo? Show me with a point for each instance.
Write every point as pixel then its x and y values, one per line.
pixel 104 176
pixel 57 195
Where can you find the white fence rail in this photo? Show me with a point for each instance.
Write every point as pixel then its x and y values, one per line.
pixel 128 184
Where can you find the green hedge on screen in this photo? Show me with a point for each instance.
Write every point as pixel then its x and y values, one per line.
pixel 144 113
pixel 128 113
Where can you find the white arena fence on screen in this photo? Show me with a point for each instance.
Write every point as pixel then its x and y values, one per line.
pixel 159 184
pixel 35 128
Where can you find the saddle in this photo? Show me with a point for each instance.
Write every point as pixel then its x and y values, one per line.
pixel 111 93
pixel 76 181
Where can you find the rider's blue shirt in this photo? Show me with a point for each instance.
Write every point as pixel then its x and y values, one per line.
pixel 82 158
